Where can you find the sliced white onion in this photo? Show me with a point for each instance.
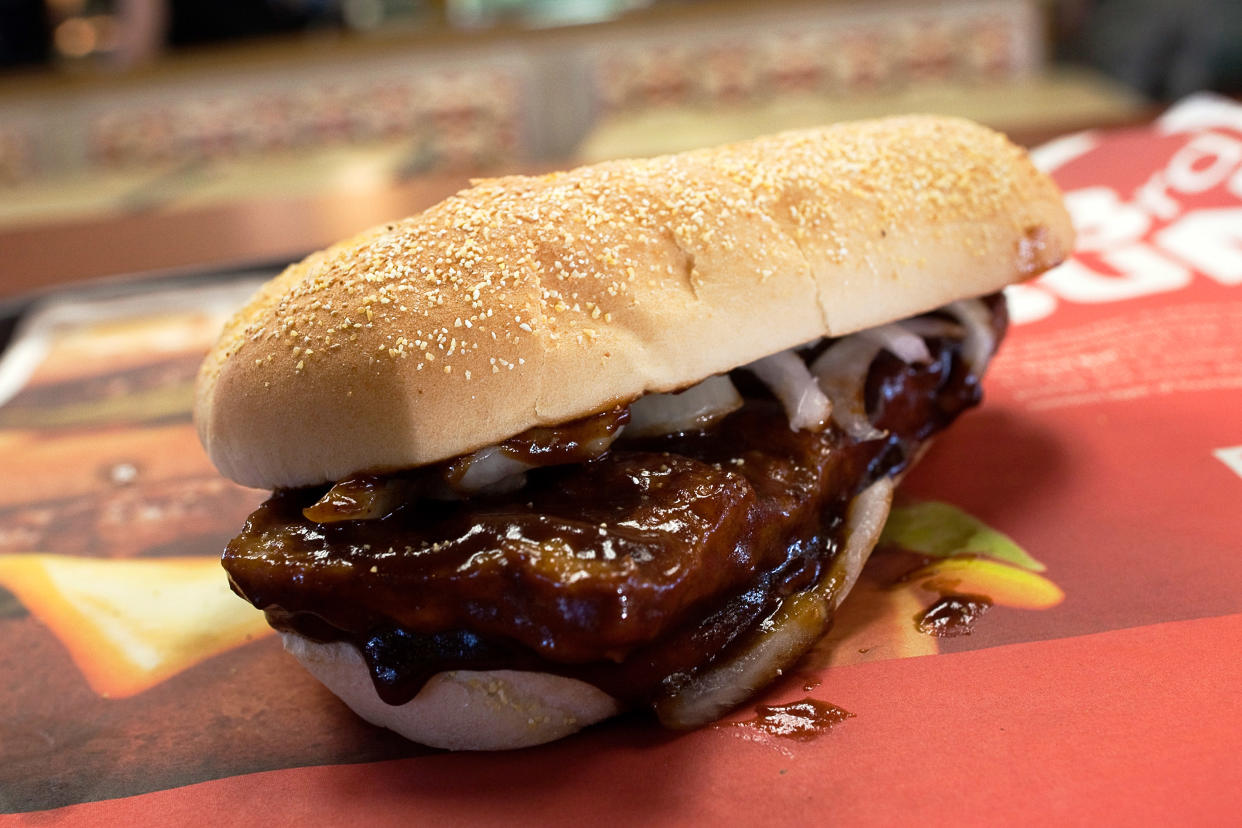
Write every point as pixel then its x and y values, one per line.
pixel 597 446
pixel 778 642
pixel 694 408
pixel 359 499
pixel 906 345
pixel 980 341
pixel 842 374
pixel 484 468
pixel 926 326
pixel 794 385
pixel 786 636
pixel 864 523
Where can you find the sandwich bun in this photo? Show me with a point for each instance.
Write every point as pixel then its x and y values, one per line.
pixel 524 302
pixel 462 709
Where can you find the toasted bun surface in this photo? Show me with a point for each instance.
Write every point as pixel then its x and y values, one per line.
pixel 532 301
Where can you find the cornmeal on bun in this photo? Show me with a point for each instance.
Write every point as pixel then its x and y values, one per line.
pixel 616 437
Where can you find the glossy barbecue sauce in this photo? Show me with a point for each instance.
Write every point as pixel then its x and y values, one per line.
pixel 799 721
pixel 630 571
pixel 953 615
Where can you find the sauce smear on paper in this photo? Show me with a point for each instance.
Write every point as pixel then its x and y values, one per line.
pixel 801 721
pixel 953 615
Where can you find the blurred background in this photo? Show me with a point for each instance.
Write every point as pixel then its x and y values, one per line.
pixel 140 135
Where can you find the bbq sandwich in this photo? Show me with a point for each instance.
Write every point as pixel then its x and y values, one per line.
pixel 616 437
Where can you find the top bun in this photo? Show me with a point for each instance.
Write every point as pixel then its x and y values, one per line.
pixel 523 301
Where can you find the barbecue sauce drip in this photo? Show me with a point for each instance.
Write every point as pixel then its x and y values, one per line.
pixel 799 721
pixel 953 615
pixel 569 443
pixel 630 571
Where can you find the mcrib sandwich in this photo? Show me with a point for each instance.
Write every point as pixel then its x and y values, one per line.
pixel 616 437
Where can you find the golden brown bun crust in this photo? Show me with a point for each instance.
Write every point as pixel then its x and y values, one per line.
pixel 531 301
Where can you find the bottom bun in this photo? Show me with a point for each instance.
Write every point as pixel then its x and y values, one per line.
pixel 462 709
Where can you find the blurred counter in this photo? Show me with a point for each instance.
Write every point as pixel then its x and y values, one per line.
pixel 1029 110
pixel 261 153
